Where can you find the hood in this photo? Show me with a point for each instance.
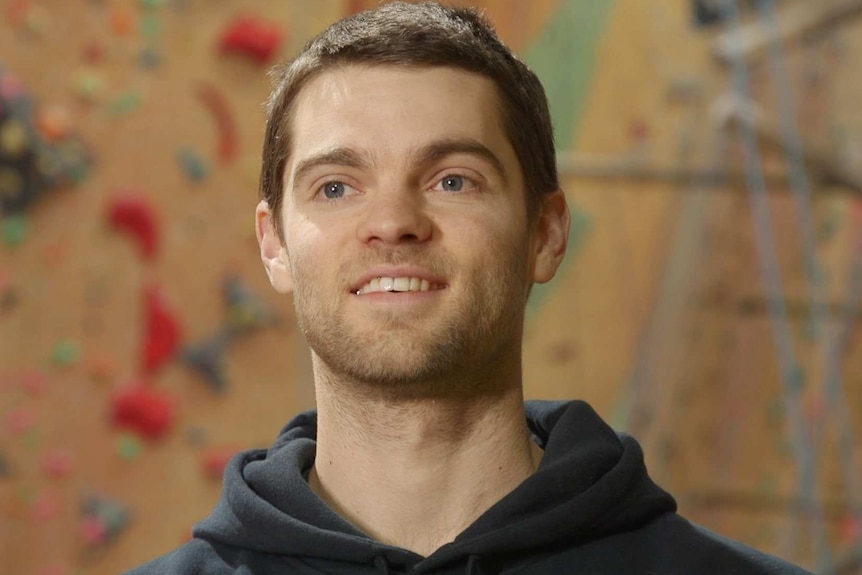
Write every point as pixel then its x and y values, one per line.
pixel 591 482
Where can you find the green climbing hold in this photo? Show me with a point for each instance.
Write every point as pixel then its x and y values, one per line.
pixel 151 27
pixel 66 353
pixel 15 230
pixel 129 447
pixel 126 103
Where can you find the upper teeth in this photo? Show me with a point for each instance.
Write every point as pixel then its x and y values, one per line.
pixel 396 284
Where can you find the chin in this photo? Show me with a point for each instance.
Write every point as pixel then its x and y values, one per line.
pixel 412 374
pixel 392 368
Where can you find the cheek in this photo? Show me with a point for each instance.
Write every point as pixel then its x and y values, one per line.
pixel 318 256
pixel 489 235
pixel 502 233
pixel 302 234
pixel 301 255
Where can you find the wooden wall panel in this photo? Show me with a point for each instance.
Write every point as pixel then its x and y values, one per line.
pixel 650 318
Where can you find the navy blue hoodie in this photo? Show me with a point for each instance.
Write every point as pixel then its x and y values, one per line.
pixel 589 509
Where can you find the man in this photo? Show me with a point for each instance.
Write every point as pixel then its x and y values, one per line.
pixel 410 200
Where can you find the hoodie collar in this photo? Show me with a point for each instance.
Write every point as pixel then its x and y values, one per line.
pixel 590 482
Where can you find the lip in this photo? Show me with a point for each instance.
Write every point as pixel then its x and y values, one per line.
pixel 396 272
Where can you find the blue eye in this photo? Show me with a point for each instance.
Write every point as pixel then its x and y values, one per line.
pixel 452 183
pixel 333 190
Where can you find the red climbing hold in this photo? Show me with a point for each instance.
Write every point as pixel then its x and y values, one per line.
pixel 93 530
pixel 252 37
pixel 355 7
pixel 45 507
pixel 148 413
pixel 133 214
pixel 57 463
pixel 216 459
pixel 216 102
pixel 163 333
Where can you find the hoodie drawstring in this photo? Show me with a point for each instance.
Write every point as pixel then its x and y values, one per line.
pixel 382 564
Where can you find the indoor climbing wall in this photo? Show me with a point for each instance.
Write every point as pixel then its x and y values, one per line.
pixel 707 303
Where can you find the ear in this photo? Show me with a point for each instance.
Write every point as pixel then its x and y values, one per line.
pixel 550 236
pixel 272 250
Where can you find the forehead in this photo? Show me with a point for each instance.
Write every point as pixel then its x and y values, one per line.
pixel 388 109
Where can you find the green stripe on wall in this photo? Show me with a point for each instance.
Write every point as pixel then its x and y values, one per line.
pixel 563 56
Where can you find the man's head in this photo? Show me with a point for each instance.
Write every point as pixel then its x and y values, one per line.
pixel 407 232
pixel 417 35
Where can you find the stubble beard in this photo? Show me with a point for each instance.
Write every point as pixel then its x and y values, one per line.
pixel 454 354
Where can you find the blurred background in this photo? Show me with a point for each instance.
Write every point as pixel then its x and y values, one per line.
pixel 712 157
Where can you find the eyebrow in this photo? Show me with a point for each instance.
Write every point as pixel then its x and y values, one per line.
pixel 336 156
pixel 430 153
pixel 442 148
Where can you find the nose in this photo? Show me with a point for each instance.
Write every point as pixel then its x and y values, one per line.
pixel 395 217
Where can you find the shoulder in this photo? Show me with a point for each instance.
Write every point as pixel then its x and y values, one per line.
pixel 197 557
pixel 667 545
pixel 724 555
pixel 680 546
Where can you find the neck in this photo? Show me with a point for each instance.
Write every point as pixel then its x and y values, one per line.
pixel 415 474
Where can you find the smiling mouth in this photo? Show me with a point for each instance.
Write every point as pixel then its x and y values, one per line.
pixel 400 284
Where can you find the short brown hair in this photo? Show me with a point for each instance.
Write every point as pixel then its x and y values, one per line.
pixel 423 35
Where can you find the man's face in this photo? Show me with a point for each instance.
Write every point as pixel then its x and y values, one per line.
pixel 405 228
